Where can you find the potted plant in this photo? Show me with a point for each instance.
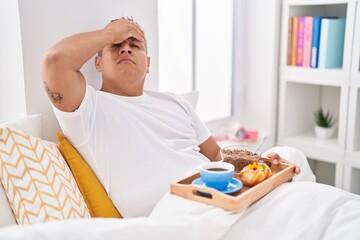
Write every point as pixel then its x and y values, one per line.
pixel 324 127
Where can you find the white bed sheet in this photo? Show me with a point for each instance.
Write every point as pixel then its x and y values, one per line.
pixel 301 210
pixel 297 210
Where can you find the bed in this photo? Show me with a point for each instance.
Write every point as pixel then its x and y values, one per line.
pixel 301 209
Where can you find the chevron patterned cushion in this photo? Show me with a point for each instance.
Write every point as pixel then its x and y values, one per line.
pixel 38 183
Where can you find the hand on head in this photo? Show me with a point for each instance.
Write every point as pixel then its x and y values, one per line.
pixel 125 28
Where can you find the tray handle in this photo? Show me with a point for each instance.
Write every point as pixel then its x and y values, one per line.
pixel 200 193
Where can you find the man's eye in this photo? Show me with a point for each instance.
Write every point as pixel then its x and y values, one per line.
pixel 116 45
pixel 134 46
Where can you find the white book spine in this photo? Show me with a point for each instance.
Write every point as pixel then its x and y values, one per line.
pixel 323 42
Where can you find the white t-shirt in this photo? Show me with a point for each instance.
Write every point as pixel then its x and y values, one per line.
pixel 136 146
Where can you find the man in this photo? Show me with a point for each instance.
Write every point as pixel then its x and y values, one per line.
pixel 136 141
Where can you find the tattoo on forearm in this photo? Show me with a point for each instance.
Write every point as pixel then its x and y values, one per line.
pixel 55 96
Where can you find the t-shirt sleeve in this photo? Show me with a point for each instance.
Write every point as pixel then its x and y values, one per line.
pixel 77 125
pixel 201 130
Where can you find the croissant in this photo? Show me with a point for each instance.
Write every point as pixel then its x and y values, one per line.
pixel 254 173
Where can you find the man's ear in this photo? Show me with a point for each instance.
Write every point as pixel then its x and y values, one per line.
pixel 148 65
pixel 97 63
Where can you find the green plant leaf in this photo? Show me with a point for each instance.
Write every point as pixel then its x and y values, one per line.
pixel 322 119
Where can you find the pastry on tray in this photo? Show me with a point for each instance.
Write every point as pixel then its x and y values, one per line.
pixel 254 173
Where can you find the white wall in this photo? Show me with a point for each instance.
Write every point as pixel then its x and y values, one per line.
pixel 44 22
pixel 256 65
pixel 12 91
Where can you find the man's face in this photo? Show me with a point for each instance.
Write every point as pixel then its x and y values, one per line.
pixel 124 63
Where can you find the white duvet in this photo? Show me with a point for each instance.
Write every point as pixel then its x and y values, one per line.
pixel 301 209
pixel 297 210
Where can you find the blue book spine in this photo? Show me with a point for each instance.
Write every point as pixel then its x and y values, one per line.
pixel 315 42
pixel 336 44
pixel 331 43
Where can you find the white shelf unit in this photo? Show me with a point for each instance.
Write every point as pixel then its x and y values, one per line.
pixel 352 160
pixel 303 90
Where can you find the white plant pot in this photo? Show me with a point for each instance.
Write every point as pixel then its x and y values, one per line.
pixel 324 133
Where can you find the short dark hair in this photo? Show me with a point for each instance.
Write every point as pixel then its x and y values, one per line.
pixel 131 19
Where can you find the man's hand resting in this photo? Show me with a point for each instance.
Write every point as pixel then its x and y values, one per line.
pixel 275 159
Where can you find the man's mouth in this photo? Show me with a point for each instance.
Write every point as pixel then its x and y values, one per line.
pixel 126 60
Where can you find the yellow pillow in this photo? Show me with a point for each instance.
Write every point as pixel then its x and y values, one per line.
pixel 96 198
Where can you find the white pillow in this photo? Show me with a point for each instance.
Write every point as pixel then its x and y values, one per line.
pixel 32 125
pixel 7 216
pixel 29 124
pixel 38 182
pixel 192 97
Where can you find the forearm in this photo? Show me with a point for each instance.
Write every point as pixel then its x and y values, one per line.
pixel 210 149
pixel 73 52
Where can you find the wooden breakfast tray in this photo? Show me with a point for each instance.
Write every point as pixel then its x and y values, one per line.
pixel 234 202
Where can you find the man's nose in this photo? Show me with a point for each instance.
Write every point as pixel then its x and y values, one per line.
pixel 126 49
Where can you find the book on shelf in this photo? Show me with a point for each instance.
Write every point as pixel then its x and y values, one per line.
pixel 308 32
pixel 315 42
pixel 294 37
pixel 331 46
pixel 289 42
pixel 300 42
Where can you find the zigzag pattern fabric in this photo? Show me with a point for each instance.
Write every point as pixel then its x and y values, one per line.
pixel 39 185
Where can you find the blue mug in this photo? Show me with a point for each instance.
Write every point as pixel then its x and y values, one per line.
pixel 216 174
